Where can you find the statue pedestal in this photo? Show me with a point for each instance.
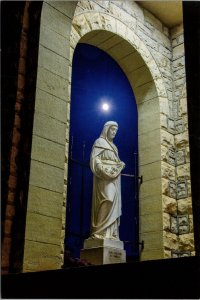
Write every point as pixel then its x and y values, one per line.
pixel 100 252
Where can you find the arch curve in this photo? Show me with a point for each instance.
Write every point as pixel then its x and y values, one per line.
pixel 86 24
pixel 130 52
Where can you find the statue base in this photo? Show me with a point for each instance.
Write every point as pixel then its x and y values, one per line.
pixel 100 252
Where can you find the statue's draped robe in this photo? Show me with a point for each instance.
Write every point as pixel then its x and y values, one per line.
pixel 106 200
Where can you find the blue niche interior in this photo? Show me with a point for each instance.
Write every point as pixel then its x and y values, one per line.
pixel 96 80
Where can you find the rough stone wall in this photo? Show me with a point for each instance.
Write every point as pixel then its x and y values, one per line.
pixel 181 220
pixel 167 50
pixel 164 202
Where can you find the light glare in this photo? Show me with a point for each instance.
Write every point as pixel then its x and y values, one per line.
pixel 105 106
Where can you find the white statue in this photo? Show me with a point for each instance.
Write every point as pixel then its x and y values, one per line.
pixel 106 200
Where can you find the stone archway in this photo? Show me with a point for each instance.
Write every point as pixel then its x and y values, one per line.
pixel 148 64
pixel 115 38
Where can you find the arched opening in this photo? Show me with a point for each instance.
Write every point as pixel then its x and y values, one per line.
pixel 100 92
pixel 146 83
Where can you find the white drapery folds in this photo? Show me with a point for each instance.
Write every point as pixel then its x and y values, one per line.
pixel 106 199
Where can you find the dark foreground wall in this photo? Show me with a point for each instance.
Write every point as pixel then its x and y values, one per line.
pixel 162 279
pixel 191 14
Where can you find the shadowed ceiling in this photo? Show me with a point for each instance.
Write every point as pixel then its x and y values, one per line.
pixel 168 12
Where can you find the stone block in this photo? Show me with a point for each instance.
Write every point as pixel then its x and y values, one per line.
pixel 80 24
pixel 179 63
pixel 170 125
pixel 149 139
pixel 152 21
pixel 52 84
pixel 51 106
pixel 182 189
pixel 41 256
pixel 183 106
pixel 186 242
pixel 148 110
pixel 183 171
pixel 44 202
pixel 53 62
pixel 145 92
pixel 119 13
pixel 46 176
pixel 147 254
pixel 110 42
pixel 185 206
pixel 147 38
pixel 130 62
pixel 179 85
pixel 164 154
pixel 169 205
pixel 65 7
pixel 108 22
pixel 151 171
pixel 178 74
pixel 162 61
pixel 173 225
pixel 126 54
pixel 162 39
pixel 96 243
pixel 151 222
pixel 47 152
pixel 103 255
pixel 167 139
pixel 171 156
pixel 100 5
pixel 167 253
pixel 180 39
pixel 133 9
pixel 180 157
pixel 131 23
pixel 44 229
pixel 152 240
pixel 179 125
pixel 181 140
pixel 168 171
pixel 188 182
pixel 178 51
pixel 151 188
pixel 74 39
pixel 140 76
pixel 183 224
pixel 172 189
pixel 164 121
pixel 65 172
pixel 150 204
pixel 174 43
pixel 99 38
pixel 166 222
pixel 60 44
pixel 56 20
pixel 165 51
pixel 191 223
pixel 178 253
pixel 49 128
pixel 88 5
pixel 170 241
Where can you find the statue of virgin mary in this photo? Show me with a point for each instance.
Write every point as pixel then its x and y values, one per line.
pixel 106 199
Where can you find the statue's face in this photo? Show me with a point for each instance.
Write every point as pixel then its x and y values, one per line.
pixel 112 132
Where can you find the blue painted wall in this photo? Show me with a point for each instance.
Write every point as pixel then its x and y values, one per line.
pixel 98 79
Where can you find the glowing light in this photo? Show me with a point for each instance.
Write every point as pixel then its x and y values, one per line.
pixel 105 106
